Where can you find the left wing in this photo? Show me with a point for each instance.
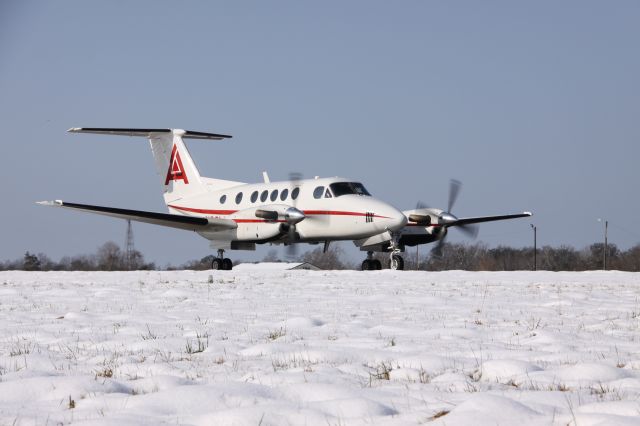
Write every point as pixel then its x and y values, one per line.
pixel 188 223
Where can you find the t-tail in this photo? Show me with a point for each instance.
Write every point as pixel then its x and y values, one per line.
pixel 178 173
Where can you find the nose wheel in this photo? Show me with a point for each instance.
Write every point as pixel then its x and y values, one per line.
pixel 396 262
pixel 221 262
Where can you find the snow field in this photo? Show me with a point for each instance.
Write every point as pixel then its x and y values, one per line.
pixel 328 348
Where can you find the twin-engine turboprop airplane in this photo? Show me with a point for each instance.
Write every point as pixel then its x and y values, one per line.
pixel 237 216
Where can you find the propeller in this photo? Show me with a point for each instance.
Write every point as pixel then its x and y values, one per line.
pixel 447 219
pixel 292 235
pixel 454 190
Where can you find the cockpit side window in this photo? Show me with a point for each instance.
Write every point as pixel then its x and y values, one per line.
pixel 317 193
pixel 349 188
pixel 327 194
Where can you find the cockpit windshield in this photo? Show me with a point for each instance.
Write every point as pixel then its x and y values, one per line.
pixel 348 188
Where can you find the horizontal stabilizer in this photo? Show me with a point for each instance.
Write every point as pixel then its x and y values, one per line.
pixel 186 134
pixel 163 219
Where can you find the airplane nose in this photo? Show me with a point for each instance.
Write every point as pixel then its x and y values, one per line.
pixel 395 218
pixel 399 220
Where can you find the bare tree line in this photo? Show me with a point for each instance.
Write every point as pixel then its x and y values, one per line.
pixel 471 257
pixel 108 257
pixel 479 257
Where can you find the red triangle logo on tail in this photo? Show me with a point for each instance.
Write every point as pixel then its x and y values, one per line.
pixel 176 170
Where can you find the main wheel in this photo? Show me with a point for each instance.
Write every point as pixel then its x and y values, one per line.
pixel 217 263
pixel 377 265
pixel 227 265
pixel 397 262
pixel 366 265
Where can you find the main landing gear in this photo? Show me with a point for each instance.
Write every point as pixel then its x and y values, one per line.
pixel 222 262
pixel 371 264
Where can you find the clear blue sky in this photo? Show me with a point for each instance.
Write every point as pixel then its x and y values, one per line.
pixel 534 106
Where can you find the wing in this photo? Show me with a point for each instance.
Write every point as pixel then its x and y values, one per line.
pixel 188 223
pixel 481 219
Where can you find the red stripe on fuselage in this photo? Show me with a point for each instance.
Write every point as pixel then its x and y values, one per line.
pixel 307 212
pixel 203 211
pixel 257 221
pixel 338 213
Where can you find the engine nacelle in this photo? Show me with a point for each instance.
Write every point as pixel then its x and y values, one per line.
pixel 268 222
pixel 424 216
pixel 257 231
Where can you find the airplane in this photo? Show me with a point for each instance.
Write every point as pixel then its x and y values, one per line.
pixel 237 215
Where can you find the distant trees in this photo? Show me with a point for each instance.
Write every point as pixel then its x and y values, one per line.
pixel 477 257
pixel 334 258
pixel 271 256
pixel 197 265
pixel 31 262
pixel 471 257
pixel 108 257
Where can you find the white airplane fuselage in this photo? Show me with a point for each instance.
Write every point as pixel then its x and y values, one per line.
pixel 328 216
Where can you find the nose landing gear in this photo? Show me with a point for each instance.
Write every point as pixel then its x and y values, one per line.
pixel 221 262
pixel 396 262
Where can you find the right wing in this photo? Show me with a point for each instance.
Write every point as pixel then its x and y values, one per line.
pixel 188 223
pixel 482 219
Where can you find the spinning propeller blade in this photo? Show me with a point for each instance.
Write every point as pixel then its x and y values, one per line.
pixel 447 219
pixel 454 190
pixel 292 236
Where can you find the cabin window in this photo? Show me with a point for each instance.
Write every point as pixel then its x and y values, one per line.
pixel 254 196
pixel 274 195
pixel 294 193
pixel 264 195
pixel 223 199
pixel 348 188
pixel 317 193
pixel 283 194
pixel 238 197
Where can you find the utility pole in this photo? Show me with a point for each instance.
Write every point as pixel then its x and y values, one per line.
pixel 606 244
pixel 535 247
pixel 128 246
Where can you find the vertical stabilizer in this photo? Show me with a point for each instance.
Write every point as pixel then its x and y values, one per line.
pixel 178 173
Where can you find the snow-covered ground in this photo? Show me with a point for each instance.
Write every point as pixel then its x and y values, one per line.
pixel 327 348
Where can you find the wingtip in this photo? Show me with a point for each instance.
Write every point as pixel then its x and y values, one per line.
pixel 74 129
pixel 50 203
pixel 528 213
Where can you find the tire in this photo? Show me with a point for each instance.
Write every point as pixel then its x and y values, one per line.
pixel 376 264
pixel 227 265
pixel 216 264
pixel 397 262
pixel 366 265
